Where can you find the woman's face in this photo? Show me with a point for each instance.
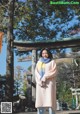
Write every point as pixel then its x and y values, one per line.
pixel 44 54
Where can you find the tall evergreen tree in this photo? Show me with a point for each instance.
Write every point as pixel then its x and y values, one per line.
pixel 9 59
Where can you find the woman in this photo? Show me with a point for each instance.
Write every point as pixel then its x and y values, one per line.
pixel 45 76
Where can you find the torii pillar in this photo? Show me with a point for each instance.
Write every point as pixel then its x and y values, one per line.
pixel 34 60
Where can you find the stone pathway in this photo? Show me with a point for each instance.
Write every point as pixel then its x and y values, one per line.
pixel 57 112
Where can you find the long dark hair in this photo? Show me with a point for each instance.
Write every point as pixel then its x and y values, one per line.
pixel 48 51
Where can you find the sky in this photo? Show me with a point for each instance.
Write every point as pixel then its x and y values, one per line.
pixel 3 60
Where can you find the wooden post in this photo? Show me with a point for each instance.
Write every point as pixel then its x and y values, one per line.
pixel 34 58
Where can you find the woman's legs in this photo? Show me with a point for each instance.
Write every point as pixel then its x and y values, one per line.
pixel 40 110
pixel 51 111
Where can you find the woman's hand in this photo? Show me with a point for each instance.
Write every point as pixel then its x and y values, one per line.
pixel 43 84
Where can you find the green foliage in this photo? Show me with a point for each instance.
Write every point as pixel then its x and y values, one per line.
pixel 33 24
pixel 32 19
pixel 64 92
pixel 67 78
pixel 24 88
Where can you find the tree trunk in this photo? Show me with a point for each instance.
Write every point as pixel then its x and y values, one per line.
pixel 9 59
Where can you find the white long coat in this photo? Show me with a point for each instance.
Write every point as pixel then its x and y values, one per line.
pixel 46 96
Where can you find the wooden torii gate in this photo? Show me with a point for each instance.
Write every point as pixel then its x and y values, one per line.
pixel 29 45
pixel 24 46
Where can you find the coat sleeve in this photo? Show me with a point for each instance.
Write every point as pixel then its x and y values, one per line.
pixel 51 73
pixel 37 76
